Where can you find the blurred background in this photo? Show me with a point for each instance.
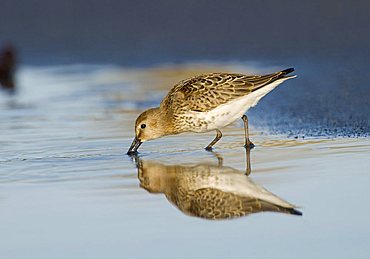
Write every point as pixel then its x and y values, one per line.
pixel 150 32
pixel 326 41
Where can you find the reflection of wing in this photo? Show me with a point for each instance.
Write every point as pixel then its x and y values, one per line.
pixel 215 204
pixel 206 92
pixel 210 192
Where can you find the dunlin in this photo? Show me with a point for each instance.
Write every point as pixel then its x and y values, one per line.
pixel 204 103
pixel 209 191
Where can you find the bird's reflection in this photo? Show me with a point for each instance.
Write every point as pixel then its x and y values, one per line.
pixel 209 191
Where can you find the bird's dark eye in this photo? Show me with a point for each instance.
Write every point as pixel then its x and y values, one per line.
pixel 143 126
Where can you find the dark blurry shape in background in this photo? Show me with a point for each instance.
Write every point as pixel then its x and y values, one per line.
pixel 7 67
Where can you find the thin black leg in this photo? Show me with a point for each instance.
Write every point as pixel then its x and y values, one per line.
pixel 217 138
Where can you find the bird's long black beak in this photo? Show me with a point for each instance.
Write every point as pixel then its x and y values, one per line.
pixel 134 146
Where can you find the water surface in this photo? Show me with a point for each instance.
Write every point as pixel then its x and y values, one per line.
pixel 67 189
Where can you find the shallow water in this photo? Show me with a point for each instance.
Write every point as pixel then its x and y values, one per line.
pixel 67 189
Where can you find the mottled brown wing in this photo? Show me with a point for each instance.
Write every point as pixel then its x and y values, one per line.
pixel 206 92
pixel 212 203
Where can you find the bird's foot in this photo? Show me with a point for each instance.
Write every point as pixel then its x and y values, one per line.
pixel 209 149
pixel 250 145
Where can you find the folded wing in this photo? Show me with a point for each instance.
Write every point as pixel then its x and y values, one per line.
pixel 206 92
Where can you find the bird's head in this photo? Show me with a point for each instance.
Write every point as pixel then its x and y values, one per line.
pixel 151 124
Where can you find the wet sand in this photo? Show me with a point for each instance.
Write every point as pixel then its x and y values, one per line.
pixel 67 189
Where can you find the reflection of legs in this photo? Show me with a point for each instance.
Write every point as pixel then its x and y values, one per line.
pixel 217 138
pixel 248 161
pixel 220 160
pixel 248 143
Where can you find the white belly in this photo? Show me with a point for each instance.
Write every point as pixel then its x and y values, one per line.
pixel 229 112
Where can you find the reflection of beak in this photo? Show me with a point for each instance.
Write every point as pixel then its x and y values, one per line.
pixel 134 146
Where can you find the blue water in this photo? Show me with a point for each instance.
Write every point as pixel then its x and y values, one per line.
pixel 67 189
